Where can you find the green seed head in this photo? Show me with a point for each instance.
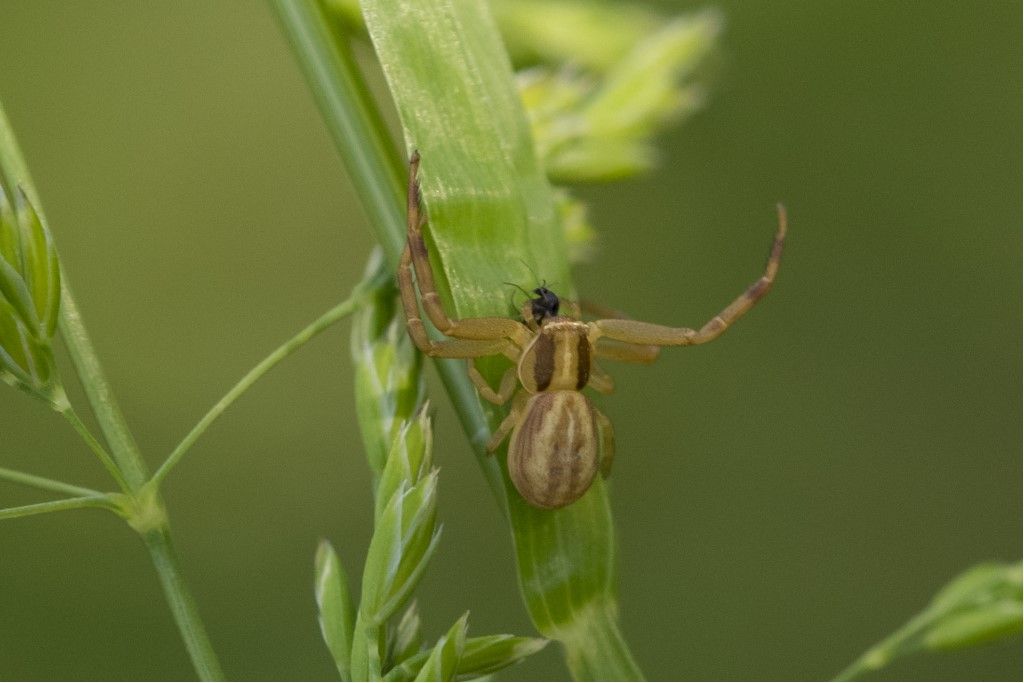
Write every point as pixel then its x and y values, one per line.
pixel 29 297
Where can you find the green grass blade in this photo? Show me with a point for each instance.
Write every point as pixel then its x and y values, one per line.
pixel 481 656
pixel 334 605
pixel 493 220
pixel 978 606
pixel 443 662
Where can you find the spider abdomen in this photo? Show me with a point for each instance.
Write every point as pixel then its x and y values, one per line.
pixel 553 452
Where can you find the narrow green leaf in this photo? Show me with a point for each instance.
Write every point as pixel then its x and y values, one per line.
pixel 447 72
pixel 980 605
pixel 493 220
pixel 336 614
pixel 481 656
pixel 443 661
pixel 969 627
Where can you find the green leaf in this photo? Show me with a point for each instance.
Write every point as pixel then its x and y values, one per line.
pixel 481 656
pixel 980 605
pixel 493 220
pixel 336 614
pixel 443 661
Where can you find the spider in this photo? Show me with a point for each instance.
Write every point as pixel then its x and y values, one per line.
pixel 559 440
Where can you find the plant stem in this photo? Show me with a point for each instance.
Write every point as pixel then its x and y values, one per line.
pixel 100 501
pixel 880 654
pixel 183 607
pixel 263 367
pixel 71 416
pixel 45 484
pixel 124 451
pixel 351 118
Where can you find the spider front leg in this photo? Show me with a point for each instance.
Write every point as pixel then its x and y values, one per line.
pixel 617 350
pixel 415 258
pixel 634 332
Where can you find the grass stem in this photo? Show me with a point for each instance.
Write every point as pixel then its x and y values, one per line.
pixel 71 416
pixel 100 501
pixel 45 483
pixel 263 367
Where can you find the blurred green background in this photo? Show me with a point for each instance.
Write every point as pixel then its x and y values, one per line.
pixel 784 497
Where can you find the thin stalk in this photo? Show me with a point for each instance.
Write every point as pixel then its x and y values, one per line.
pixel 124 450
pixel 71 416
pixel 351 116
pixel 263 367
pixel 880 654
pixel 45 484
pixel 100 501
pixel 183 607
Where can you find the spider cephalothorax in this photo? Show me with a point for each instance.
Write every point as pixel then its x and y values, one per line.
pixel 559 440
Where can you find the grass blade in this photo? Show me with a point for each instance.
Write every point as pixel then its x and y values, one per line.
pixel 978 606
pixel 493 220
pixel 334 605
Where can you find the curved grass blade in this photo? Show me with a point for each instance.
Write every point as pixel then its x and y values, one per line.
pixel 334 604
pixel 481 656
pixel 493 220
pixel 443 662
pixel 980 605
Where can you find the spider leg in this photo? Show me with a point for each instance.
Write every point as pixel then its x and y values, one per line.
pixel 606 442
pixel 616 350
pixel 509 422
pixel 600 381
pixel 504 392
pixel 415 257
pixel 626 352
pixel 449 348
pixel 634 332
